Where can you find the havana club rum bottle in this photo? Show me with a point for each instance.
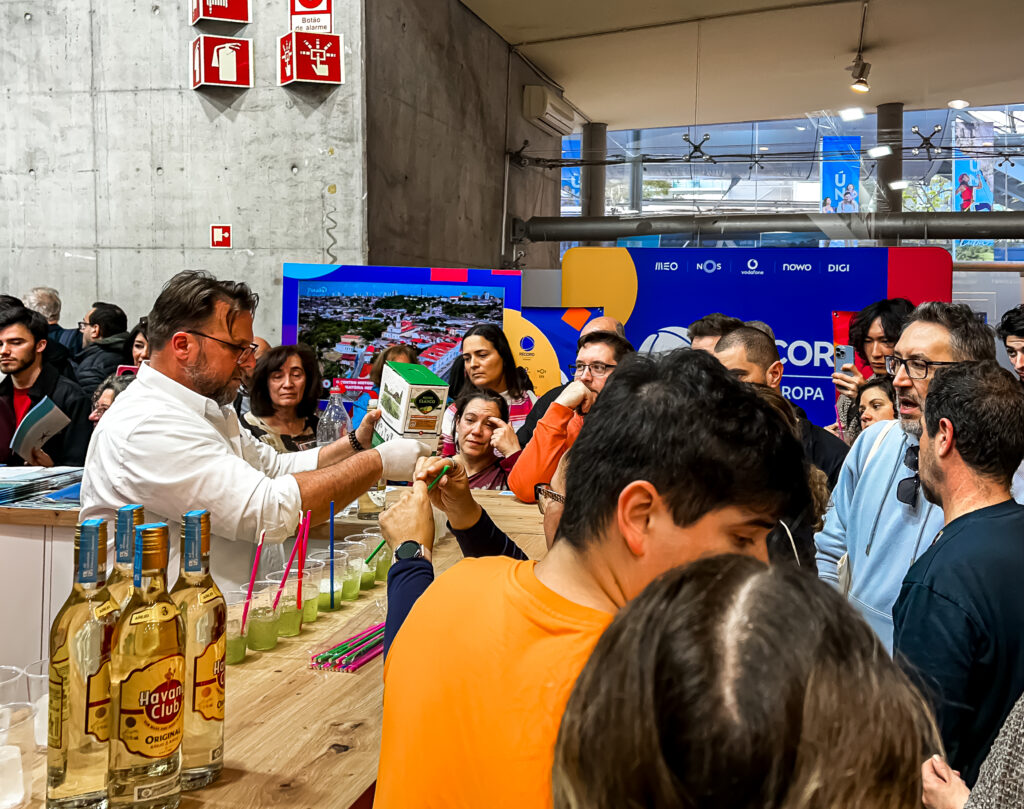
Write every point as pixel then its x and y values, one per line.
pixel 79 702
pixel 204 612
pixel 147 684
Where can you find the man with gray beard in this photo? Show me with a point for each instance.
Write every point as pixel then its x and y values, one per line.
pixel 878 518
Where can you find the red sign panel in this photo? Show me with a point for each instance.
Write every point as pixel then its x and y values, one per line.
pixel 220 62
pixel 221 10
pixel 311 58
pixel 314 16
pixel 220 236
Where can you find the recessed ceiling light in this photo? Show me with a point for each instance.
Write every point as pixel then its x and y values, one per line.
pixel 764 148
pixel 958 104
pixel 801 128
pixel 899 185
pixel 879 151
pixel 851 114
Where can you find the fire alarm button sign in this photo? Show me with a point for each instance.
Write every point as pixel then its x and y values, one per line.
pixel 312 15
pixel 313 58
pixel 220 62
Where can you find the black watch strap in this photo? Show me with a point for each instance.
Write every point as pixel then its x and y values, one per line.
pixel 409 550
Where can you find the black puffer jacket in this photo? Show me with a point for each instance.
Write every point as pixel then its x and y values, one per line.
pixel 68 447
pixel 98 361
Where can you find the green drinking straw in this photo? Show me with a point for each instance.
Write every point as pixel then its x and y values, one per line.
pixel 444 471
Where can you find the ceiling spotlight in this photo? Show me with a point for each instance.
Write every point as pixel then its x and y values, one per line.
pixel 860 70
pixel 879 151
pixel 899 185
pixel 764 148
pixel 801 128
pixel 958 104
pixel 851 114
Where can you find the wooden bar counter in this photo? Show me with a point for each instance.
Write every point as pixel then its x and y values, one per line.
pixel 301 738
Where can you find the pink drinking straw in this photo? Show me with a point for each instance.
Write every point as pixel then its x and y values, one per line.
pixel 302 556
pixel 366 658
pixel 291 559
pixel 252 579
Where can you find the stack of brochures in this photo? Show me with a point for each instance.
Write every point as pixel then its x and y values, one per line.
pixel 20 482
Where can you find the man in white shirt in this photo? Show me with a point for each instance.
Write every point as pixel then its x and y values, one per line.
pixel 172 440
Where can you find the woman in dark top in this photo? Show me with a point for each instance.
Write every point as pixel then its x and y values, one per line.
pixel 285 388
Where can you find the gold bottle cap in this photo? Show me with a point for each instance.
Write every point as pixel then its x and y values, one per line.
pixel 151 544
pixel 91 551
pixel 195 526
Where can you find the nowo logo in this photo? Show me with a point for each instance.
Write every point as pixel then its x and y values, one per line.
pixel 796 267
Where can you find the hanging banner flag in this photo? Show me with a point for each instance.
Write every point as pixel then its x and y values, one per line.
pixel 973 173
pixel 840 178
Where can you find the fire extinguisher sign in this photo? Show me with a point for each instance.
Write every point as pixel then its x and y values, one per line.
pixel 315 16
pixel 220 61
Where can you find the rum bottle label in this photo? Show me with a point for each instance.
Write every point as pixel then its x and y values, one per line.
pixel 151 719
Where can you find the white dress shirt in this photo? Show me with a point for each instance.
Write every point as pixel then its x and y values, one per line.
pixel 173 450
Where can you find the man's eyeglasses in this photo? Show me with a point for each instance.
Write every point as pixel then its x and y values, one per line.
pixel 243 352
pixel 543 494
pixel 597 369
pixel 83 325
pixel 908 488
pixel 916 369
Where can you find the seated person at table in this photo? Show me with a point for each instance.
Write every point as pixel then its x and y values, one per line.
pixel 487 362
pixel 731 684
pixel 677 461
pixel 481 431
pixel 109 389
pixel 598 353
pixel 283 399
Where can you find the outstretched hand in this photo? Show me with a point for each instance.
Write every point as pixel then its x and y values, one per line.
pixel 411 518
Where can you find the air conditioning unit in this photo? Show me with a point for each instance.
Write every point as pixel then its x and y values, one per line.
pixel 547 110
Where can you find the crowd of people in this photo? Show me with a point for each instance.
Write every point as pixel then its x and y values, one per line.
pixel 758 610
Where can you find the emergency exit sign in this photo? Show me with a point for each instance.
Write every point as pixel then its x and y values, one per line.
pixel 314 16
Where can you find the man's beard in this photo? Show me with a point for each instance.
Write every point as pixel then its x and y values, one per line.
pixel 911 426
pixel 221 392
pixel 928 469
pixel 22 365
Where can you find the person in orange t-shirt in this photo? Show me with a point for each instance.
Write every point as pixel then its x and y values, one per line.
pixel 598 354
pixel 677 461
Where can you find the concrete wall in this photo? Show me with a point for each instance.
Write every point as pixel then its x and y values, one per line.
pixel 443 105
pixel 112 169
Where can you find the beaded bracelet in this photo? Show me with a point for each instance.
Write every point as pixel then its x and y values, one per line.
pixel 355 441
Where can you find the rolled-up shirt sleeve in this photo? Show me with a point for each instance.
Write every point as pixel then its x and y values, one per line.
pixel 173 471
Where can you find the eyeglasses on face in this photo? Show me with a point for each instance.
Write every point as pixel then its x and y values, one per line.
pixel 596 368
pixel 916 369
pixel 83 325
pixel 543 494
pixel 242 352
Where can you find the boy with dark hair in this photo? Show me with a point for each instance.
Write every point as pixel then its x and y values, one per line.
pixel 677 460
pixel 708 330
pixel 959 619
pixel 22 344
pixel 1011 332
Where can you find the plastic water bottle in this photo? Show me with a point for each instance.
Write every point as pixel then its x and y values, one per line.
pixel 335 422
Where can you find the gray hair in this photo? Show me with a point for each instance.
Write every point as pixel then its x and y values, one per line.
pixel 46 301
pixel 970 338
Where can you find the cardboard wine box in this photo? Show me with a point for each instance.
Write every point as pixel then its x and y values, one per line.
pixel 412 398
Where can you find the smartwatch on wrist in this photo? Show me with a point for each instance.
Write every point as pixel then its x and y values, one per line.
pixel 409 550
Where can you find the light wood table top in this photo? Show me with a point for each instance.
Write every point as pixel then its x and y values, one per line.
pixel 302 738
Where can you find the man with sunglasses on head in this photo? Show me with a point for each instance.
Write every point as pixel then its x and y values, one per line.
pixel 172 440
pixel 878 519
pixel 597 355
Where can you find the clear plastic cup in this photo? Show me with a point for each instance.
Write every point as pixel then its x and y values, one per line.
pixel 314 572
pixel 13 686
pixel 291 612
pixel 37 676
pixel 261 626
pixel 18 754
pixel 236 644
pixel 345 580
pixel 368 571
